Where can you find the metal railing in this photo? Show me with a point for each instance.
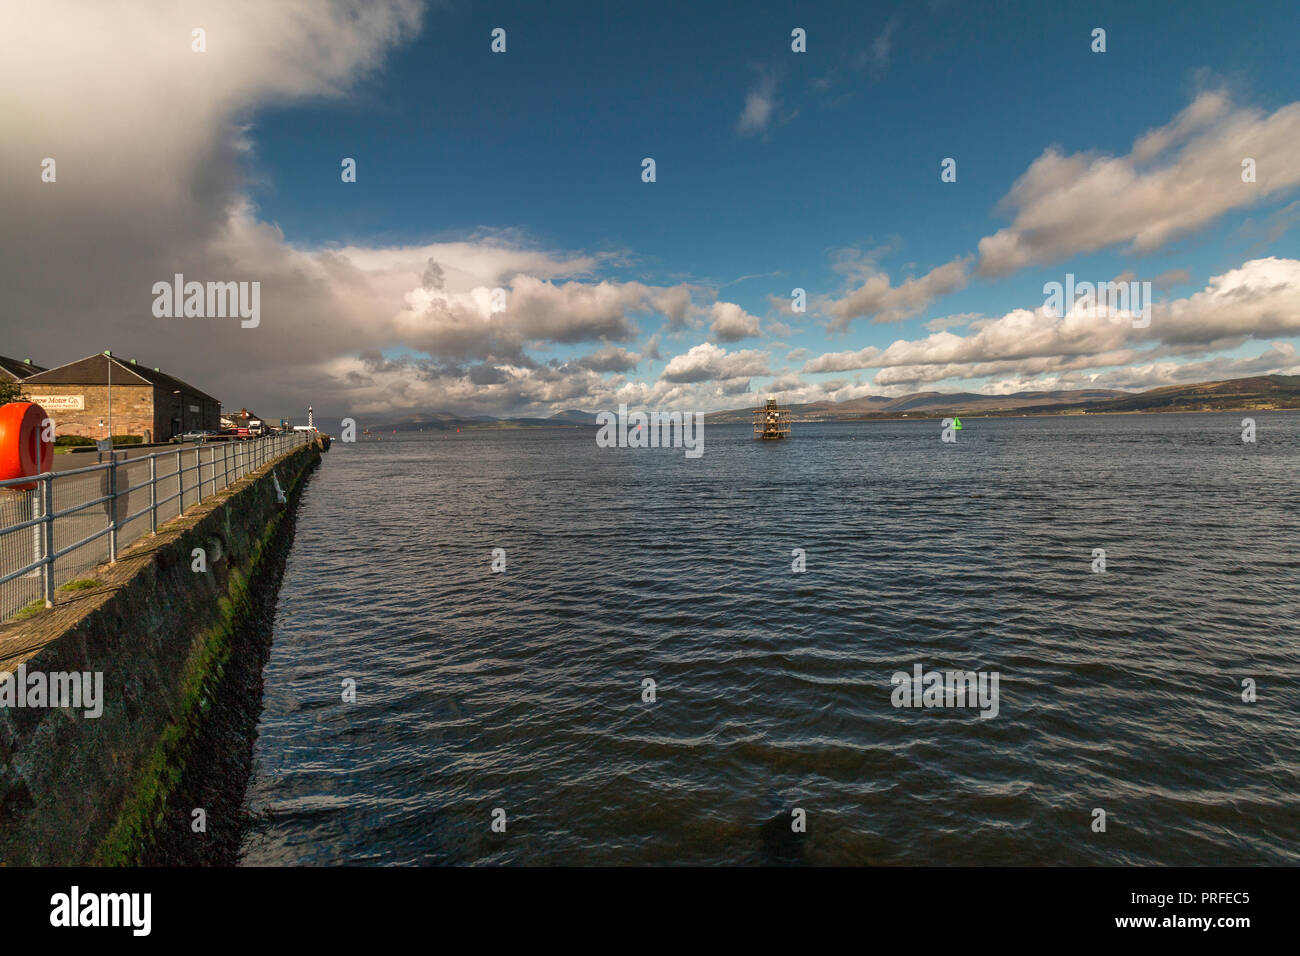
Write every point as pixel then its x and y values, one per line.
pixel 76 519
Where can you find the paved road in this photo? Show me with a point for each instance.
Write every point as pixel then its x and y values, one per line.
pixel 81 459
pixel 219 460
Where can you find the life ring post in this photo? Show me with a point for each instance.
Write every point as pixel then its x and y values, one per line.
pixel 26 443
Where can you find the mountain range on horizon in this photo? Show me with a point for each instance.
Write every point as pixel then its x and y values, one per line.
pixel 1260 392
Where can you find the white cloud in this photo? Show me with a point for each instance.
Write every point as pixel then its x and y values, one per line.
pixel 1279 358
pixel 760 103
pixel 890 303
pixel 137 122
pixel 876 56
pixel 1177 179
pixel 953 321
pixel 731 323
pixel 1258 300
pixel 610 360
pixel 709 362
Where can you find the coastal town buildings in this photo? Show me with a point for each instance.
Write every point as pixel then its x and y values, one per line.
pixel 246 421
pixel 90 395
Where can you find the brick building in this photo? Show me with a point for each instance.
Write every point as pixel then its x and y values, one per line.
pixel 12 370
pixel 145 401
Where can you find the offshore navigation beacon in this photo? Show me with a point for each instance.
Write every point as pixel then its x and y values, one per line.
pixel 771 422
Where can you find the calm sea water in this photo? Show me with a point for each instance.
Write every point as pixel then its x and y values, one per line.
pixel 523 690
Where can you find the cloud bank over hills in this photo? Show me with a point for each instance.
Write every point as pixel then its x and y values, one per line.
pixel 156 152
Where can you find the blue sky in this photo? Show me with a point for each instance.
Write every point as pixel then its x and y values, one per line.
pixel 834 181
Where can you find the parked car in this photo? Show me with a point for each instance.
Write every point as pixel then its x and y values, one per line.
pixel 200 435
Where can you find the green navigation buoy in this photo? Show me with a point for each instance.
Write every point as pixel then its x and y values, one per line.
pixel 956 423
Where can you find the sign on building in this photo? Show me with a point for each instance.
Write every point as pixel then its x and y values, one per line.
pixel 60 403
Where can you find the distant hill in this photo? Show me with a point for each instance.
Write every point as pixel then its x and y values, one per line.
pixel 1259 393
pixel 442 421
pixel 572 416
pixel 932 404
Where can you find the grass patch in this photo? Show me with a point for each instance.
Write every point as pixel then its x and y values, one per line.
pixel 31 610
pixel 80 584
pixel 85 441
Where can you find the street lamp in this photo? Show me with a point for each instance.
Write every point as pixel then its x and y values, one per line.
pixel 109 356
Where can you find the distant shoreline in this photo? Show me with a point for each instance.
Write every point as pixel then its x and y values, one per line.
pixel 927 416
pixel 391 432
pixel 1261 393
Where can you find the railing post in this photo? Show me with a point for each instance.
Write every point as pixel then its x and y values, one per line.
pixel 34 497
pixel 153 494
pixel 47 513
pixel 180 485
pixel 198 474
pixel 112 507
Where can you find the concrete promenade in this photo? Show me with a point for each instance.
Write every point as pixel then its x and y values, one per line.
pixel 222 462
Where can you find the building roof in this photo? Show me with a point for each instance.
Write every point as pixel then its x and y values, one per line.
pixel 15 370
pixel 233 414
pixel 93 370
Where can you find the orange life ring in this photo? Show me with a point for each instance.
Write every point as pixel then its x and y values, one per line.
pixel 23 453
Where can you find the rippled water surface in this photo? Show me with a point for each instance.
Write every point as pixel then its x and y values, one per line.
pixel 523 690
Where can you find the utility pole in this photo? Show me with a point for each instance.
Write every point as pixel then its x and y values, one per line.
pixel 110 394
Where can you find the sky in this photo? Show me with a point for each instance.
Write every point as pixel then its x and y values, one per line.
pixel 774 170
